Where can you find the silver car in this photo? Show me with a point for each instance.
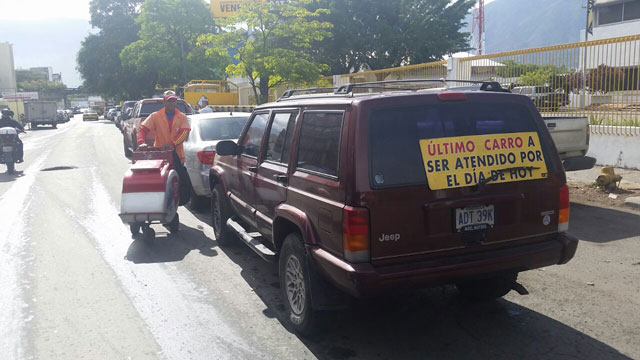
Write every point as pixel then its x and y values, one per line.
pixel 200 146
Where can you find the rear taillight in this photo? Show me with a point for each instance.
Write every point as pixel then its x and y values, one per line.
pixel 588 133
pixel 452 96
pixel 563 212
pixel 355 234
pixel 206 157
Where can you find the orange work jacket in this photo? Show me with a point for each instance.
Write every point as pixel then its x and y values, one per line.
pixel 176 135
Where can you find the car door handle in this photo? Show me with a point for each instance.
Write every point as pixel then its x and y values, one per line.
pixel 253 169
pixel 551 125
pixel 283 179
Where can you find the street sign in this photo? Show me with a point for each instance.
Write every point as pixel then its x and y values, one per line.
pixel 228 8
pixel 10 95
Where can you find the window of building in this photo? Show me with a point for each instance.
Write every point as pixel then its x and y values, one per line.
pixel 319 148
pixel 609 14
pixel 631 10
pixel 619 12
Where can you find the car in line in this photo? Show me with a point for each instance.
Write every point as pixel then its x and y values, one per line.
pixel 62 116
pixel 371 189
pixel 112 113
pixel 200 149
pixel 89 114
pixel 544 97
pixel 124 113
pixel 141 110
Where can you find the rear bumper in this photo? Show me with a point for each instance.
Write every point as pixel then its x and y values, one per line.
pixel 578 163
pixel 365 280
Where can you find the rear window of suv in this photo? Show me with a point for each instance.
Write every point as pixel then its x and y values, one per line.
pixel 395 134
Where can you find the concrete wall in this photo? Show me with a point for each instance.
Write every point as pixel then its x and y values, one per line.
pixel 619 150
pixel 7 70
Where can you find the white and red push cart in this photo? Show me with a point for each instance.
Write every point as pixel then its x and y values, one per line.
pixel 151 192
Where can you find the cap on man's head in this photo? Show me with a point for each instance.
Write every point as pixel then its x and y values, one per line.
pixel 168 95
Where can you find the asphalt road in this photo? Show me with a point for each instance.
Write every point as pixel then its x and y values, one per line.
pixel 74 284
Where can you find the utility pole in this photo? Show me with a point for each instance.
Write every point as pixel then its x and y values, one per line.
pixel 478 23
pixel 588 27
pixel 182 60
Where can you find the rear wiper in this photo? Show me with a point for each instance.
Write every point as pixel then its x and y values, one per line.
pixel 497 173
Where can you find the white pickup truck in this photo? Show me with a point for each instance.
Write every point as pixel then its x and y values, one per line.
pixel 571 136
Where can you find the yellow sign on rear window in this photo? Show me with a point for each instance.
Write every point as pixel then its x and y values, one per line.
pixel 469 160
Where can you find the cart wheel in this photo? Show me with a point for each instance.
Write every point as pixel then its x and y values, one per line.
pixel 174 225
pixel 148 235
pixel 135 228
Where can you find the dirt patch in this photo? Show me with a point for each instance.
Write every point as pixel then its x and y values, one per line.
pixel 592 194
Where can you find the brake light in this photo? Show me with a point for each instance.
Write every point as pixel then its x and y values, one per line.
pixel 563 212
pixel 452 96
pixel 588 133
pixel 355 234
pixel 206 157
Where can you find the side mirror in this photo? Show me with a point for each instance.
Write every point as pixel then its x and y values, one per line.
pixel 227 147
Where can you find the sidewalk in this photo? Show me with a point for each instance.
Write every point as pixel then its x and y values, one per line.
pixel 583 189
pixel 630 178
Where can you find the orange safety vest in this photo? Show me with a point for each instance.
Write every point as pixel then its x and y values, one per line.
pixel 159 123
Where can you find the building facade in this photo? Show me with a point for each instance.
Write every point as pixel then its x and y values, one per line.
pixel 7 69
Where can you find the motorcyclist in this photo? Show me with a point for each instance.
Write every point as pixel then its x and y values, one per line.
pixel 7 121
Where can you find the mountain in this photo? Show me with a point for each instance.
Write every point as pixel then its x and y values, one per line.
pixel 523 24
pixel 50 42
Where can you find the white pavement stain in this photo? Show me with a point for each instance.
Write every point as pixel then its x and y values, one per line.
pixel 14 208
pixel 183 324
pixel 35 142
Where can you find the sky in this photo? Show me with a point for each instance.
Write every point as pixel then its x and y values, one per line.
pixel 45 9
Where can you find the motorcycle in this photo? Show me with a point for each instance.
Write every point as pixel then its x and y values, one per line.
pixel 9 148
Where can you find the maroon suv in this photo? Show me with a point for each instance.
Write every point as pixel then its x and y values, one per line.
pixel 394 188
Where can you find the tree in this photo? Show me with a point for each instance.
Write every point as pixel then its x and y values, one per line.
pixel 274 42
pixel 167 45
pixel 604 79
pixel 98 60
pixel 381 34
pixel 104 11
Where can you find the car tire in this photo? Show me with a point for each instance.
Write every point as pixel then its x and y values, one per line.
pixel 55 126
pixel 127 152
pixel 293 271
pixel 482 290
pixel 197 203
pixel 220 213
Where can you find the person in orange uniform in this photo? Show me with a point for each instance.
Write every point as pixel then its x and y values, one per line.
pixel 171 128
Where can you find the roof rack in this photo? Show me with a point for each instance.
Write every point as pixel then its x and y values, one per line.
pixel 289 93
pixel 485 85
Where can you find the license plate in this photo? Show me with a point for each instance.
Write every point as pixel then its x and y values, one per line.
pixel 7 149
pixel 474 218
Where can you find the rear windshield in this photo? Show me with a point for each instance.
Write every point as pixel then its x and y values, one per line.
pixel 395 134
pixel 148 108
pixel 221 128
